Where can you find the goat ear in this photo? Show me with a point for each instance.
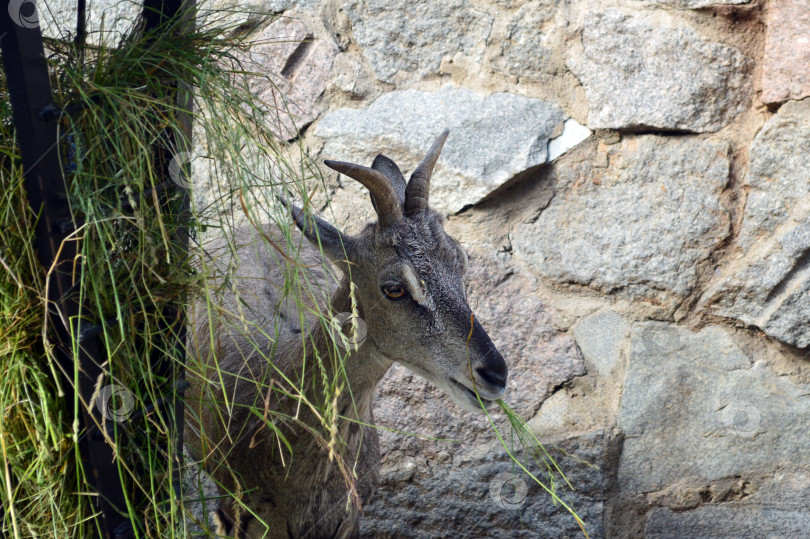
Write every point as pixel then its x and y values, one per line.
pixel 336 245
pixel 392 172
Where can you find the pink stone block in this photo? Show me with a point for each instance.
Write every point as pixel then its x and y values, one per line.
pixel 786 64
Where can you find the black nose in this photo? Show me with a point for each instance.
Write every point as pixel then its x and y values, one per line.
pixel 495 374
pixel 493 369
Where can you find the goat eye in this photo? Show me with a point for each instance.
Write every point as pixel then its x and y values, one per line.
pixel 394 291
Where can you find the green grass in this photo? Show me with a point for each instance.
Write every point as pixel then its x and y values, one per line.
pixel 36 438
pixel 525 449
pixel 530 446
pixel 133 270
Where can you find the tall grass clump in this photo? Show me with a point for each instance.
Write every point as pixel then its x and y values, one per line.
pixel 36 440
pixel 120 134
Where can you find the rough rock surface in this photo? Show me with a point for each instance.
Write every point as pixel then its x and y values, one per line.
pixel 777 509
pixel 696 4
pixel 600 338
pixel 540 359
pixel 640 226
pixel 298 66
pixel 479 494
pixel 202 498
pixel 234 13
pixel 778 172
pixel 408 39
pixel 492 138
pixel 642 71
pixel 739 417
pixel 769 286
pixel 57 19
pixel 351 77
pixel 523 51
pixel 786 65
pixel 278 6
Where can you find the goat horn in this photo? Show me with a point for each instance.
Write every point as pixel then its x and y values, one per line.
pixel 385 197
pixel 417 192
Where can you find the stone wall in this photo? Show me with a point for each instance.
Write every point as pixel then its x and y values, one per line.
pixel 630 180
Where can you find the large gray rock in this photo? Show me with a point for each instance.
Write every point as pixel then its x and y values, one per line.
pixel 523 49
pixel 540 359
pixel 639 227
pixel 600 337
pixel 492 138
pixel 777 509
pixel 769 285
pixel 778 172
pixel 406 40
pixel 644 71
pixel 482 494
pixel 695 406
pixel 727 521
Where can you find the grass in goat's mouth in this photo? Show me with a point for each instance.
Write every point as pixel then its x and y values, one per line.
pixel 527 441
pixel 472 394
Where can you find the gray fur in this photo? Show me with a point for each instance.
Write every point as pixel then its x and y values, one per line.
pixel 429 332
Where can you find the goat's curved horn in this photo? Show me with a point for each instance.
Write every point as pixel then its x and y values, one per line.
pixel 417 193
pixel 385 197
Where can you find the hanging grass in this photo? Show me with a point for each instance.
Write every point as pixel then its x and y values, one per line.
pixel 36 439
pixel 118 141
pixel 117 137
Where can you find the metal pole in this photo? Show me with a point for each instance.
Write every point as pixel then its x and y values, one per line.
pixel 158 14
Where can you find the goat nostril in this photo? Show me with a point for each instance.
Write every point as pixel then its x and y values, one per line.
pixel 494 376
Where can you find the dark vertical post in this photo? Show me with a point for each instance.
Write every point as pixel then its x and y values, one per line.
pixel 30 94
pixel 174 16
